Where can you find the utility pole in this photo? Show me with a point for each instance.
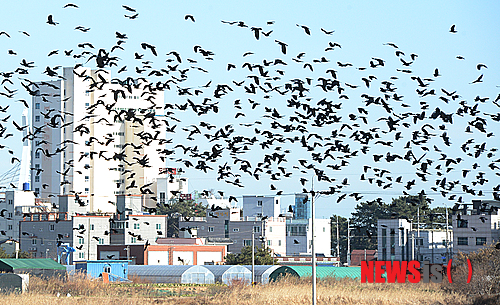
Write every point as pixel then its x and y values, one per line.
pixel 338 240
pixel 418 221
pixel 446 236
pixel 348 244
pixel 128 252
pixel 253 257
pixel 432 237
pixel 313 251
pixel 412 245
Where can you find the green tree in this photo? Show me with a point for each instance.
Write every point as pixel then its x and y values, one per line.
pixel 176 208
pixel 263 256
pixel 363 222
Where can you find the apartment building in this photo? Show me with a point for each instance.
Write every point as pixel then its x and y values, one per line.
pixel 98 138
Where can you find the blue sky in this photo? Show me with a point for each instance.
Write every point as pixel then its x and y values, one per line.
pixel 361 28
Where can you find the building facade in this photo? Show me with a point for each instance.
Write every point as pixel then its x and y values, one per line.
pixel 398 242
pixel 260 206
pixel 476 226
pixel 299 237
pixel 99 139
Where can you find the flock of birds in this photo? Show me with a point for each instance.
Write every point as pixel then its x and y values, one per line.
pixel 319 116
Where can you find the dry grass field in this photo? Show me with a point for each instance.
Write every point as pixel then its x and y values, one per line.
pixel 286 291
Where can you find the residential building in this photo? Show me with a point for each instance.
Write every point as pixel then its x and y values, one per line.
pixel 226 224
pixel 99 139
pixel 43 233
pixel 13 204
pixel 398 242
pixel 260 206
pixel 476 225
pixel 299 237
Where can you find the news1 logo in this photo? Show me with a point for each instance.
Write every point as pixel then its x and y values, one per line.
pixel 373 272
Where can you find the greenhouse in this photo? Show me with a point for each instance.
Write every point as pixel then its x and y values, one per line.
pixel 227 273
pixel 262 272
pixel 321 272
pixel 172 274
pixel 44 267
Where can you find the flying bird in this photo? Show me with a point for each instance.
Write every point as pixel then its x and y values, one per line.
pixel 51 21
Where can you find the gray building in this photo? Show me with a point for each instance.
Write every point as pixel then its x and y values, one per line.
pixel 260 206
pixel 225 225
pixel 42 233
pixel 398 242
pixel 299 237
pixel 476 225
pixel 13 204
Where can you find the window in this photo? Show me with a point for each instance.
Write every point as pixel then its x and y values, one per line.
pixel 37 190
pixel 81 255
pixel 269 243
pixel 136 226
pixel 11 201
pixel 270 229
pixel 87 178
pixel 101 241
pixel 33 241
pixel 37 178
pixel 37 118
pixel 37 105
pixel 133 240
pixel 247 242
pixel 259 203
pixel 87 92
pixel 463 241
pixel 211 229
pixel 256 229
pixel 9 227
pixel 480 241
pixel 86 190
pixel 81 241
pixel 236 229
pixel 158 226
pixel 92 227
pixel 52 227
pixel 10 215
pixel 37 166
pixel 279 242
pixel 462 223
pixel 37 155
pixel 324 229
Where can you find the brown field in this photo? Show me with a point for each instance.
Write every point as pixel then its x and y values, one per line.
pixel 286 291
